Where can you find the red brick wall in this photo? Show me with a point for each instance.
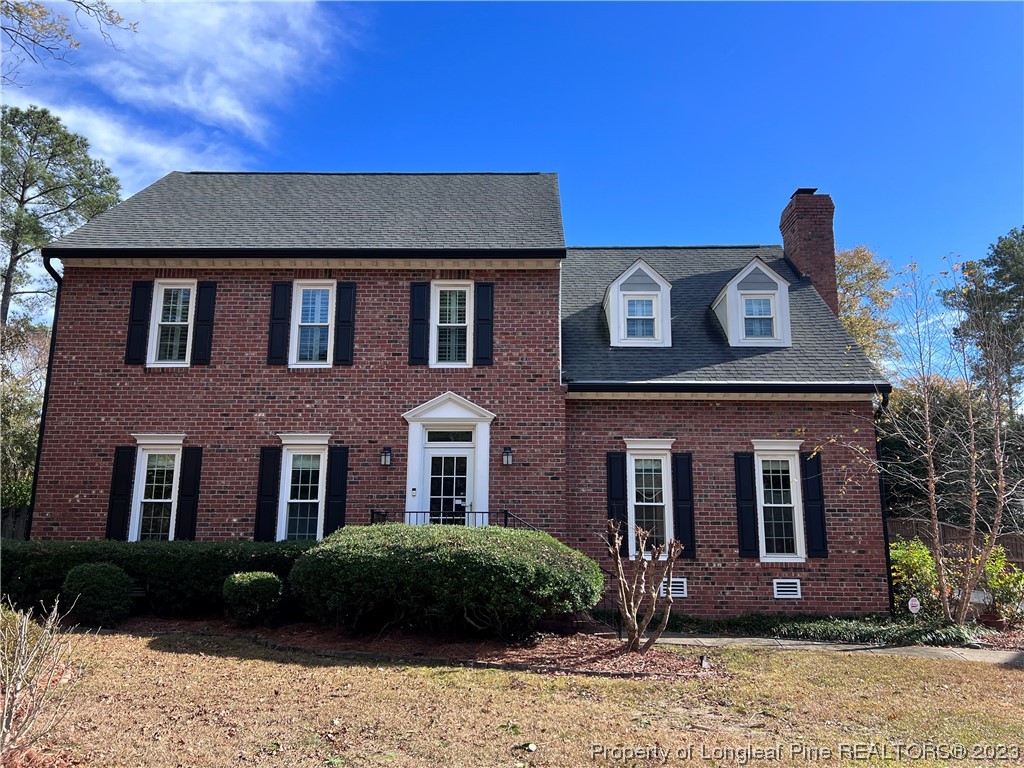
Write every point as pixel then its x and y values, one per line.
pixel 851 580
pixel 239 403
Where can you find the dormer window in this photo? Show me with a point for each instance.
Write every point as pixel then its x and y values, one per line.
pixel 640 317
pixel 636 306
pixel 753 308
pixel 758 317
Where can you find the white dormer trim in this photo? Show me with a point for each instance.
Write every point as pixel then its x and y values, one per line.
pixel 729 307
pixel 658 292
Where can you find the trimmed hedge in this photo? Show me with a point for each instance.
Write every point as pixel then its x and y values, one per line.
pixel 252 597
pixel 100 593
pixel 177 578
pixel 441 578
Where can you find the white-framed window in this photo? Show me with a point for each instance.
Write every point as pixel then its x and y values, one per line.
pixel 753 308
pixel 780 513
pixel 649 492
pixel 171 324
pixel 758 316
pixel 636 305
pixel 451 324
pixel 640 317
pixel 155 492
pixel 300 515
pixel 312 332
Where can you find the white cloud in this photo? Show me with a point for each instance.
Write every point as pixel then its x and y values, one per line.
pixel 225 64
pixel 138 154
pixel 197 87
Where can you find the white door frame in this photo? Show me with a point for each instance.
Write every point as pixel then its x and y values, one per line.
pixel 447 411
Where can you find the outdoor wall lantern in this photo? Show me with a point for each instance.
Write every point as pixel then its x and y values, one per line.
pixel 385 457
pixel 506 456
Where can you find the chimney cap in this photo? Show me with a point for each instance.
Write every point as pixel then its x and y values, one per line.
pixel 804 191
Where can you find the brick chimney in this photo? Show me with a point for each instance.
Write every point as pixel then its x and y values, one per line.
pixel 809 243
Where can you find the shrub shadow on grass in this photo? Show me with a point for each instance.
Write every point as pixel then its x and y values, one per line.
pixel 254 647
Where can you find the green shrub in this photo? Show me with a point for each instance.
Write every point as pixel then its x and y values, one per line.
pixel 101 593
pixel 879 629
pixel 178 578
pixel 15 631
pixel 1005 583
pixel 440 578
pixel 252 597
pixel 914 575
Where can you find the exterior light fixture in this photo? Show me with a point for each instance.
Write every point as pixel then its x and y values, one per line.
pixel 385 457
pixel 506 456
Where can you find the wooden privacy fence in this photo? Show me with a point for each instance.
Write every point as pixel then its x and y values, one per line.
pixel 949 534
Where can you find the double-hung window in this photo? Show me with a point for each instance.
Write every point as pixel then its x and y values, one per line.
pixel 312 331
pixel 641 317
pixel 171 324
pixel 303 488
pixel 649 492
pixel 155 500
pixel 758 317
pixel 451 327
pixel 779 502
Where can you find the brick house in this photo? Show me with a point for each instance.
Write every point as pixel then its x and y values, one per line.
pixel 274 356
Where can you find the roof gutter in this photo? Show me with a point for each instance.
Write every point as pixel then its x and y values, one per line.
pixel 57 278
pixel 320 253
pixel 822 388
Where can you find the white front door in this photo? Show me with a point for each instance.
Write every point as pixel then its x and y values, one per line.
pixel 448 474
pixel 449 484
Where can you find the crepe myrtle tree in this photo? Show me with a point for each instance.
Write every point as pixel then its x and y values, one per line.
pixel 640 584
pixel 951 435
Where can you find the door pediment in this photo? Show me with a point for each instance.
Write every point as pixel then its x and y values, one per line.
pixel 451 408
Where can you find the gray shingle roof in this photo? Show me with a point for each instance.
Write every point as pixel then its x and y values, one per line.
pixel 822 351
pixel 269 211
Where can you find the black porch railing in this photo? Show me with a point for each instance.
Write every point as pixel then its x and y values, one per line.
pixel 502 518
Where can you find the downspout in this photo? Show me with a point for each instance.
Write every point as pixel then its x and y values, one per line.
pixel 883 493
pixel 58 278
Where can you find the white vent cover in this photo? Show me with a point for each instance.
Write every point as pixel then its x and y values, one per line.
pixel 787 589
pixel 678 587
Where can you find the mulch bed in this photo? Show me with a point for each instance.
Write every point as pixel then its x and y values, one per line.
pixel 1007 640
pixel 555 654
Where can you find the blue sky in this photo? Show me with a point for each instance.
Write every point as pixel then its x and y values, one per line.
pixel 668 123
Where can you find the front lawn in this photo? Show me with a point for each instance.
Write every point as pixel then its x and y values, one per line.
pixel 195 700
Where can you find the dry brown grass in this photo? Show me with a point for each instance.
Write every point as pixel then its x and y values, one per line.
pixel 191 700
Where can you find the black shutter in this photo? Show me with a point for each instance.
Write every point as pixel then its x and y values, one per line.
pixel 814 504
pixel 120 508
pixel 746 505
pixel 188 493
pixel 345 324
pixel 202 334
pixel 267 494
pixel 419 324
pixel 138 322
pixel 280 323
pixel 617 502
pixel 483 325
pixel 337 489
pixel 682 502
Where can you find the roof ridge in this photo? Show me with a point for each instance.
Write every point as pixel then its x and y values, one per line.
pixel 370 173
pixel 662 247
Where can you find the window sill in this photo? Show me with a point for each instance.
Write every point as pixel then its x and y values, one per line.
pixel 783 559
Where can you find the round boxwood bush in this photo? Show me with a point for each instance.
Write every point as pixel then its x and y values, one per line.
pixel 252 597
pixel 441 578
pixel 101 593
